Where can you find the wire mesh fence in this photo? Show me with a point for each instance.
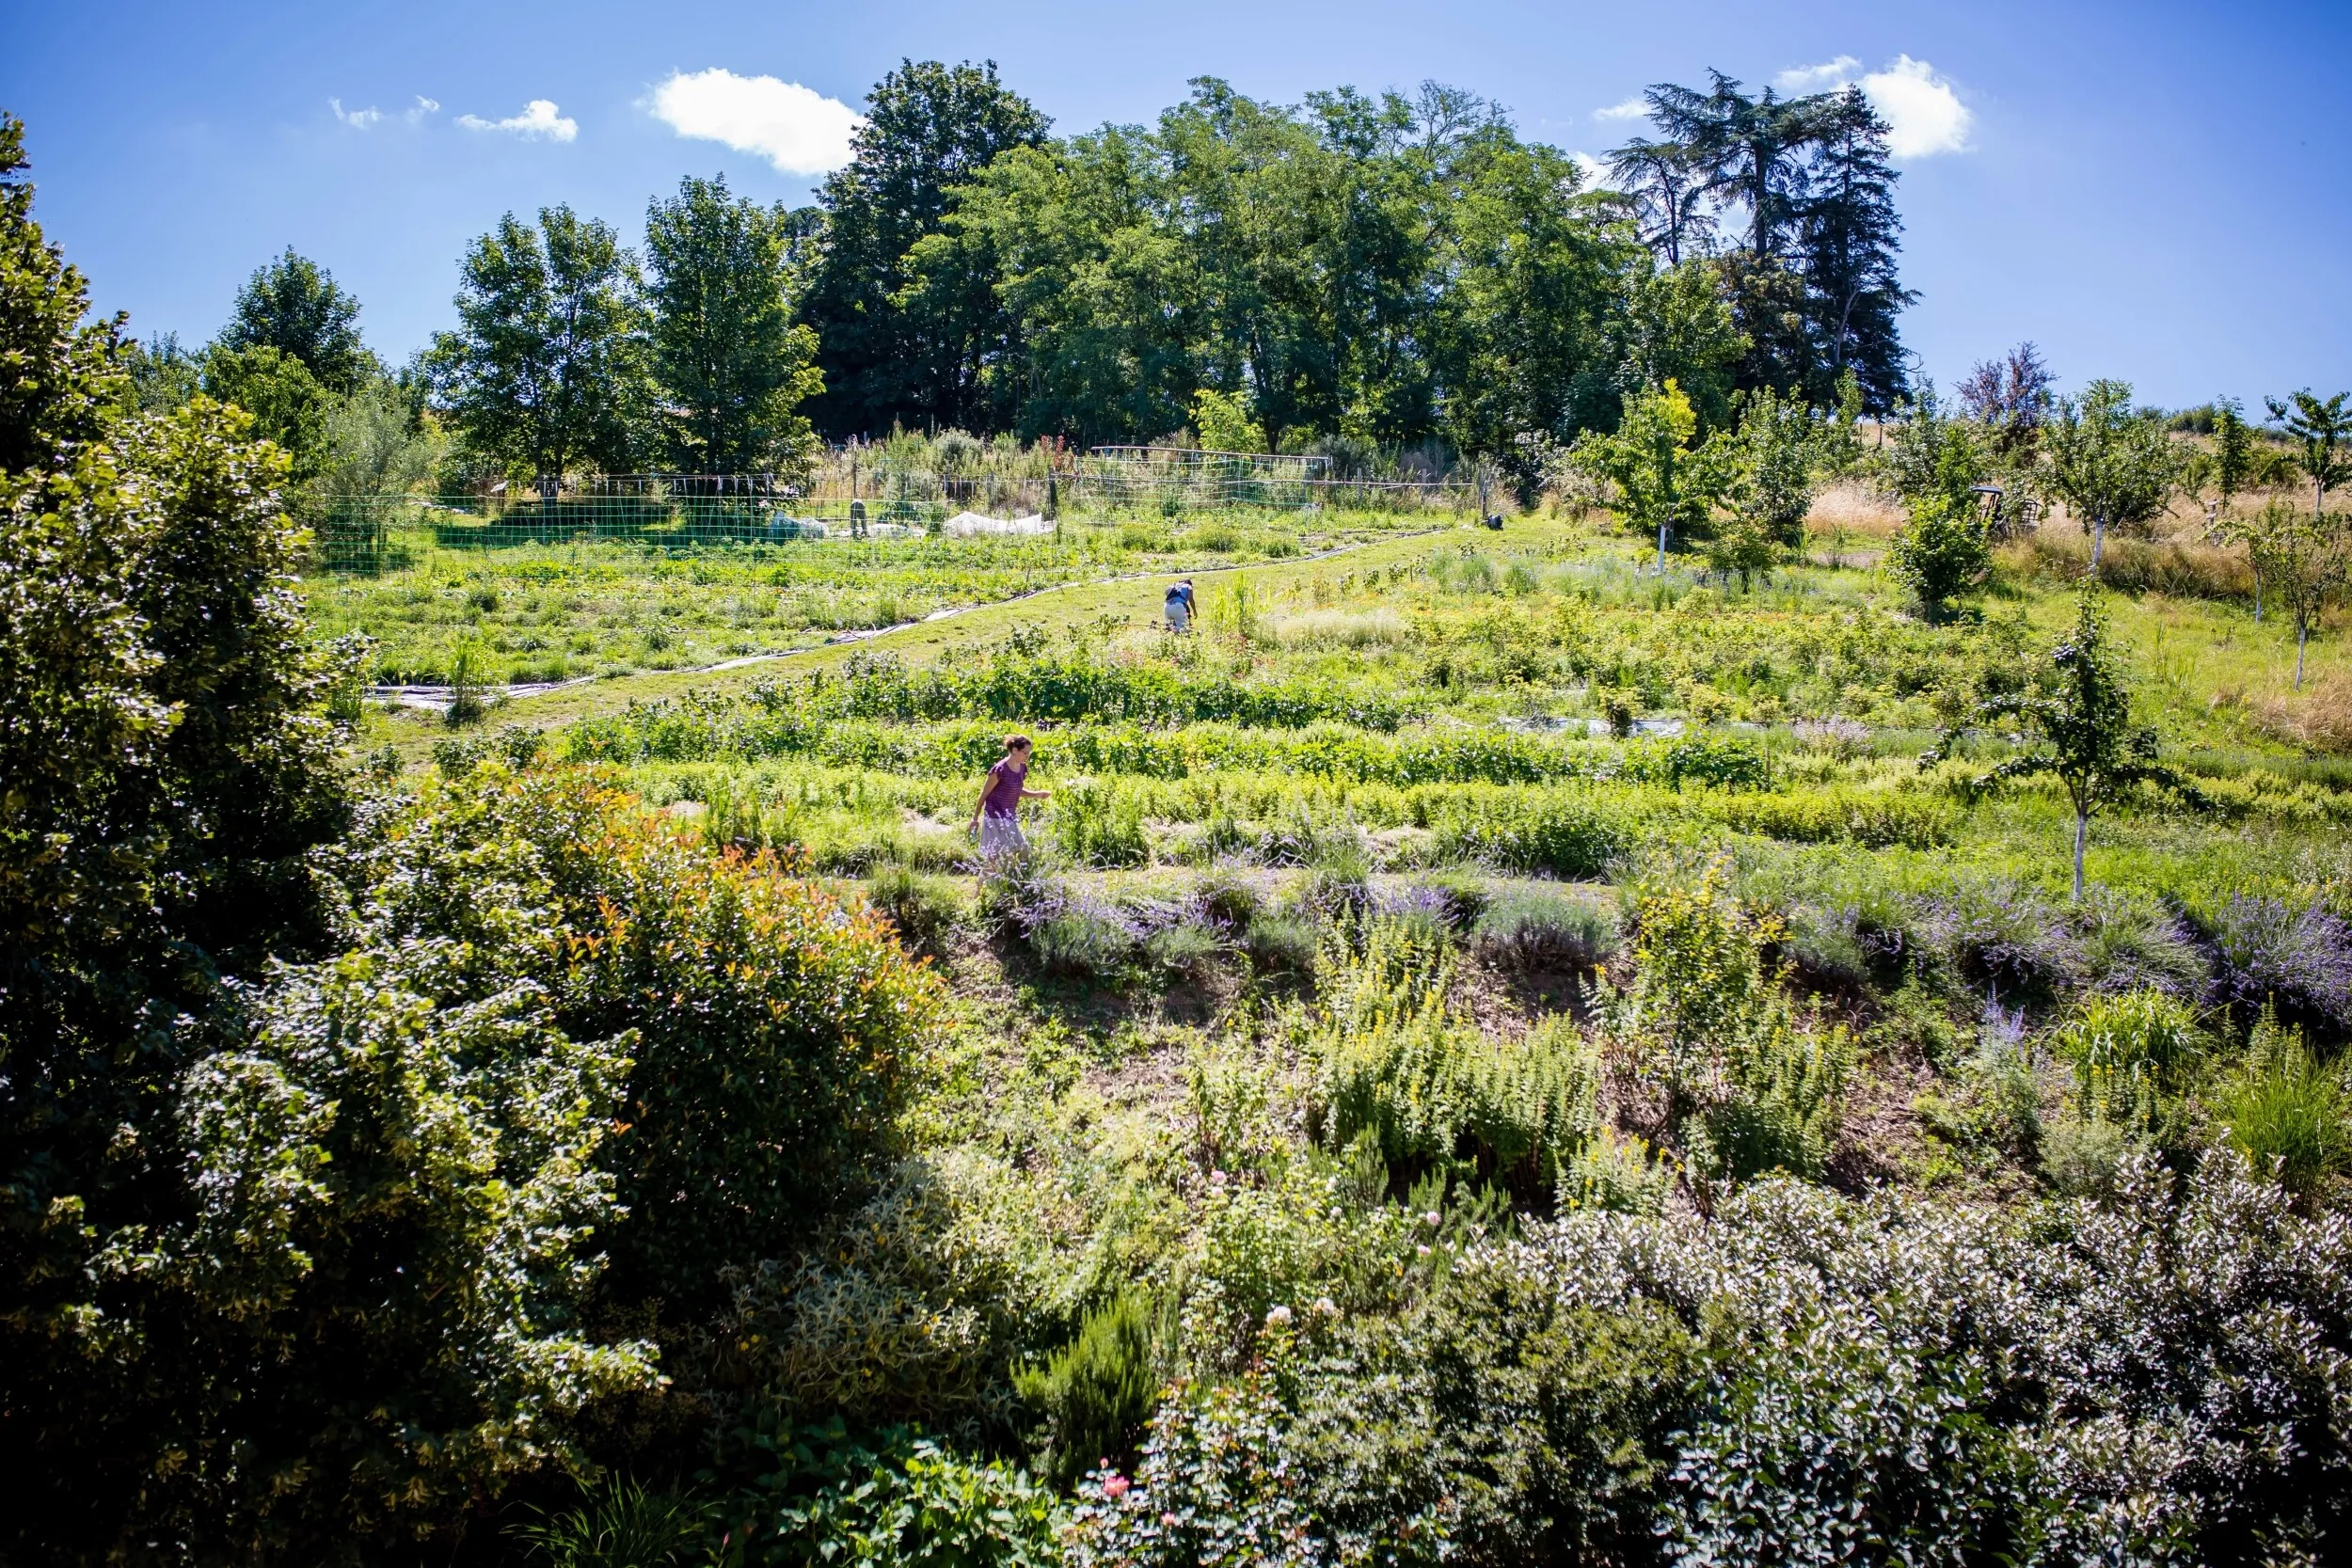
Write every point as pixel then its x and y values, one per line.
pixel 849 497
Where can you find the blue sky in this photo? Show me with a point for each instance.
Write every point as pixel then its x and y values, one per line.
pixel 2159 192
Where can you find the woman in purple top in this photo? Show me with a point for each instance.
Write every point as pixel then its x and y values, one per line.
pixel 998 819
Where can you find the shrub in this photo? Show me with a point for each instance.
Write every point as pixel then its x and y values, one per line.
pixel 923 907
pixel 1616 1174
pixel 1280 944
pixel 1941 553
pixel 1099 825
pixel 2007 938
pixel 1706 1026
pixel 907 1500
pixel 1549 832
pixel 1230 902
pixel 1183 948
pixel 2133 1056
pixel 2288 1115
pixel 1083 942
pixel 2293 955
pixel 774 1025
pixel 618 1524
pixel 1097 1392
pixel 395 1181
pixel 1394 1060
pixel 1532 926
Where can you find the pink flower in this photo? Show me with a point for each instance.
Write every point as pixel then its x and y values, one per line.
pixel 1115 1488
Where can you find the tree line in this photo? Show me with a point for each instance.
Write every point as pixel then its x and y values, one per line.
pixel 1347 273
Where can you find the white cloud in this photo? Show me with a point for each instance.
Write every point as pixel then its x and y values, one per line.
pixel 422 107
pixel 1923 112
pixel 359 119
pixel 1634 107
pixel 1818 78
pixel 797 129
pixel 538 119
pixel 1595 173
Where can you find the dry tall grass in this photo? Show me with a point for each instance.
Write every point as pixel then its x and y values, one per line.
pixel 2320 719
pixel 2182 568
pixel 1854 508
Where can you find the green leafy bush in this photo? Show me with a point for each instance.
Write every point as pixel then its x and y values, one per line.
pixel 905 1499
pixel 618 1524
pixel 2133 1057
pixel 774 1024
pixel 1532 926
pixel 924 908
pixel 1941 553
pixel 1706 1026
pixel 1097 1392
pixel 1394 1059
pixel 1556 833
pixel 2290 1116
pixel 1099 824
pixel 1280 944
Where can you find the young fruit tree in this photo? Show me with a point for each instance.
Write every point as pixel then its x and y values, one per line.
pixel 2309 560
pixel 2076 716
pixel 1941 553
pixel 2116 469
pixel 2233 465
pixel 1770 488
pixel 1662 483
pixel 2322 432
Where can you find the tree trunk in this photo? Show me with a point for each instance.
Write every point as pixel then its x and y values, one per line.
pixel 1661 549
pixel 2082 835
pixel 2098 532
pixel 2303 636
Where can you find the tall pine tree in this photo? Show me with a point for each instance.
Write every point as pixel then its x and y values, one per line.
pixel 1848 233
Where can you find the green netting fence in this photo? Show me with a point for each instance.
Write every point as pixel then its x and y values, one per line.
pixel 844 499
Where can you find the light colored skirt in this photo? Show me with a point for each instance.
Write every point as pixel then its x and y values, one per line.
pixel 1177 616
pixel 1001 835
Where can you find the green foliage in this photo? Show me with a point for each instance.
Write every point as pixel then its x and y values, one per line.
pixel 2077 716
pixel 2115 468
pixel 732 366
pixel 1771 488
pixel 290 406
pixel 1099 824
pixel 295 308
pixel 618 1524
pixel 397 1181
pixel 1704 1026
pixel 1221 422
pixel 1532 926
pixel 2287 1111
pixel 1097 1392
pixel 59 374
pixel 1941 553
pixel 1664 485
pixel 924 908
pixel 2133 1056
pixel 1395 1060
pixel 907 1500
pixel 545 370
pixel 928 128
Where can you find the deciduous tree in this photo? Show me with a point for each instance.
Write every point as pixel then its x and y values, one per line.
pixel 890 358
pixel 2076 714
pixel 545 369
pixel 2115 468
pixel 294 306
pixel 732 367
pixel 1663 484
